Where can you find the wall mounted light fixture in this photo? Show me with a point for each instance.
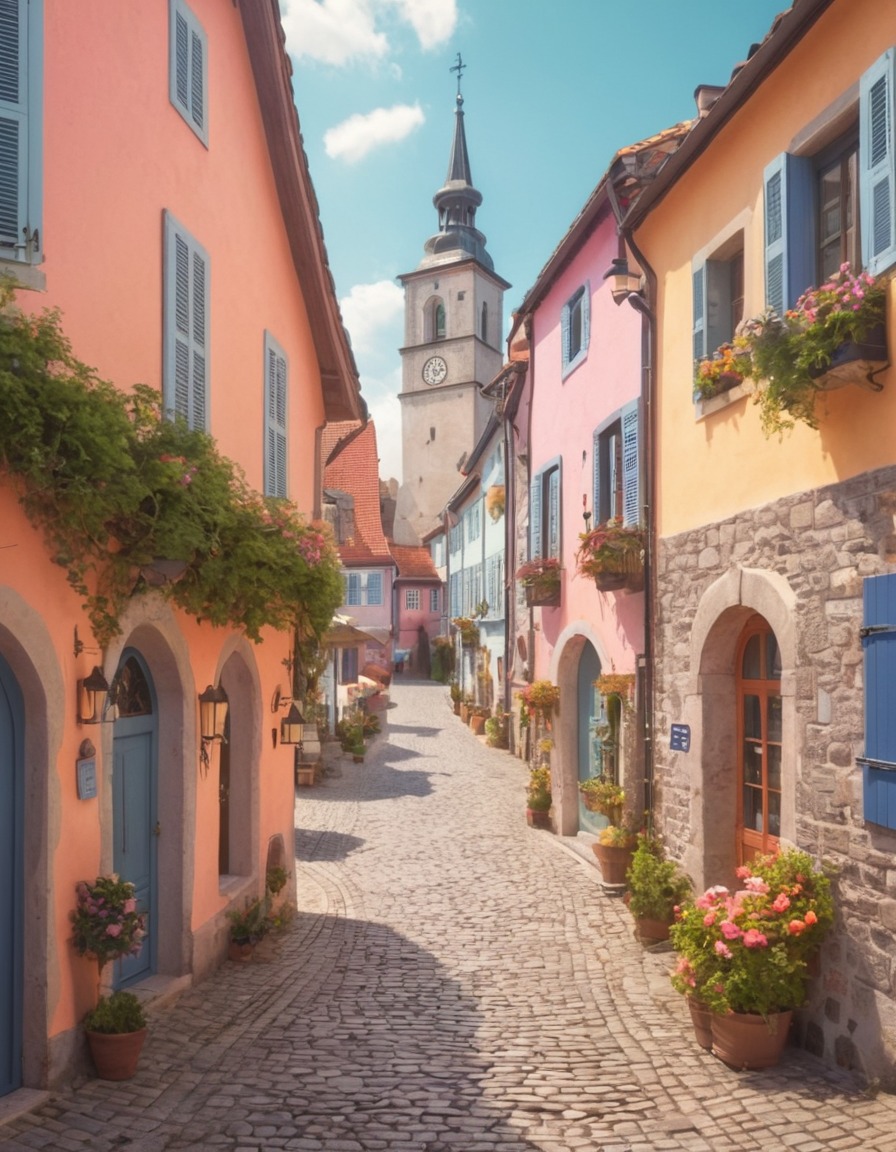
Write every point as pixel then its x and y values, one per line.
pixel 624 283
pixel 93 692
pixel 213 707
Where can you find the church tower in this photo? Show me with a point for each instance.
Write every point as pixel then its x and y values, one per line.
pixel 454 318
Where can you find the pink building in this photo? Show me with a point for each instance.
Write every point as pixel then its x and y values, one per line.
pixel 175 228
pixel 418 606
pixel 577 415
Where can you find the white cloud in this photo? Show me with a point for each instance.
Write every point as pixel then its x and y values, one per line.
pixel 368 310
pixel 333 31
pixel 434 21
pixel 354 138
pixel 340 32
pixel 385 412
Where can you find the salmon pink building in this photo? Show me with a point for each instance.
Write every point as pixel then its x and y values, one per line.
pixel 174 227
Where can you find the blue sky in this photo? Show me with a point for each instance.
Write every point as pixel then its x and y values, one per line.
pixel 552 89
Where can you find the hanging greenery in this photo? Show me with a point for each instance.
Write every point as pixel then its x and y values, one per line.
pixel 115 489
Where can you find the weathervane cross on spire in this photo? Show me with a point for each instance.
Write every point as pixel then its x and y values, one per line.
pixel 459 69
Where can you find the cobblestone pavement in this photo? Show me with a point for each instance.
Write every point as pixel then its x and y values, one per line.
pixel 454 982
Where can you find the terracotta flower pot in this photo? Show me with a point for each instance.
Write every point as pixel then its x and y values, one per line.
pixel 747 1042
pixel 651 931
pixel 701 1019
pixel 614 862
pixel 538 818
pixel 241 952
pixel 115 1055
pixel 854 363
pixel 477 725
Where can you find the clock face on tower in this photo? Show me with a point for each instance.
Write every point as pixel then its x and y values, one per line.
pixel 435 370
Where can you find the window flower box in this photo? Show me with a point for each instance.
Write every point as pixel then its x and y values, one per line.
pixel 612 554
pixel 541 580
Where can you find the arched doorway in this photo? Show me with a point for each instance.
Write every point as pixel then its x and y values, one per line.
pixel 759 740
pixel 135 803
pixel 12 819
pixel 588 715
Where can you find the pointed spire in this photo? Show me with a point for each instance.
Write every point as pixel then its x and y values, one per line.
pixel 456 202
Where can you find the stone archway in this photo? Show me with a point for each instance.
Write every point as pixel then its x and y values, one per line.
pixel 722 613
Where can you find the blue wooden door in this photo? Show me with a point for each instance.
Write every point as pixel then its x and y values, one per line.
pixel 588 716
pixel 12 811
pixel 135 804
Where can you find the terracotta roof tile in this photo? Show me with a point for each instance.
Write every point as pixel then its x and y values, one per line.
pixel 352 465
pixel 414 563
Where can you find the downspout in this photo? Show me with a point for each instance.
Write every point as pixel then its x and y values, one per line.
pixel 642 305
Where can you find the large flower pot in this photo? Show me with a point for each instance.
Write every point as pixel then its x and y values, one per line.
pixel 543 596
pixel 614 862
pixel 701 1019
pixel 651 931
pixel 538 818
pixel 747 1042
pixel 115 1055
pixel 477 724
pixel 619 581
pixel 855 363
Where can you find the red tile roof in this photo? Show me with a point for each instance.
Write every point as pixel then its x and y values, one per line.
pixel 414 563
pixel 351 464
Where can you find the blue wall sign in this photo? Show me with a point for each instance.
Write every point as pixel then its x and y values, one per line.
pixel 680 738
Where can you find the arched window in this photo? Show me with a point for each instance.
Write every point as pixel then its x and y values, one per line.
pixel 759 735
pixel 440 321
pixel 433 320
pixel 483 327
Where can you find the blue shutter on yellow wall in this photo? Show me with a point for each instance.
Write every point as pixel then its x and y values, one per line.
pixel 789 230
pixel 879 646
pixel 631 465
pixel 877 163
pixel 698 283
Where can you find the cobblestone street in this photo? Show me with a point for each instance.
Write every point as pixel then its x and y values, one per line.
pixel 454 980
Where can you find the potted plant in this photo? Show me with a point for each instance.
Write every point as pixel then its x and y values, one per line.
pixel 834 335
pixel 724 370
pixel 478 717
pixel 745 955
pixel 107 926
pixel 455 694
pixel 538 700
pixel 496 730
pixel 541 580
pixel 248 925
pixel 538 797
pixel 612 554
pixel 604 795
pixel 656 887
pixel 494 502
pixel 468 629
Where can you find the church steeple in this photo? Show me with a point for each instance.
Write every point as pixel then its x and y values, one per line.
pixel 456 202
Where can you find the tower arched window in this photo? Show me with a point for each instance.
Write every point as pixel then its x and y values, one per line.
pixel 440 321
pixel 483 323
pixel 433 319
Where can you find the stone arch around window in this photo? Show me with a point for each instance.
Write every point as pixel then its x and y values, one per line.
pixel 434 320
pixel 710 709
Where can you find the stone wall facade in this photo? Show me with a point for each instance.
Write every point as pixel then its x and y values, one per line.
pixel 799 563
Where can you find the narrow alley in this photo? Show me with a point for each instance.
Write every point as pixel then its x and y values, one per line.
pixel 454 980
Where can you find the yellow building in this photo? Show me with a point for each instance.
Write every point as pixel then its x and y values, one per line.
pixel 774 548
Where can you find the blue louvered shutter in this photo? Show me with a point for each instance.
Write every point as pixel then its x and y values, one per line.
pixel 595 479
pixel 275 418
pixel 879 645
pixel 535 518
pixel 354 588
pixel 21 38
pixel 877 164
pixel 698 281
pixel 554 507
pixel 185 311
pixel 188 82
pixel 564 335
pixel 586 317
pixel 631 465
pixel 789 230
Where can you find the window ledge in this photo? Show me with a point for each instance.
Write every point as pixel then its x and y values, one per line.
pixel 25 275
pixel 707 407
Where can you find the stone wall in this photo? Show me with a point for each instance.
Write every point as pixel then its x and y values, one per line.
pixel 800 562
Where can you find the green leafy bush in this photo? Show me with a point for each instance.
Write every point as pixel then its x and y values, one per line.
pixel 116 1014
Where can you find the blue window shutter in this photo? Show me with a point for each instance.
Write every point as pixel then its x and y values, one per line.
pixel 185 327
pixel 275 385
pixel 554 508
pixel 354 588
pixel 188 67
pixel 877 163
pixel 631 465
pixel 535 518
pixel 21 89
pixel 698 280
pixel 564 335
pixel 586 317
pixel 879 647
pixel 595 479
pixel 789 230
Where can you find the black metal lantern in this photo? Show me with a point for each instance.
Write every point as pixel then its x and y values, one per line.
pixel 92 694
pixel 292 727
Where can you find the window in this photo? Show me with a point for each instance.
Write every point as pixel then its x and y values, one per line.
pixel 483 324
pixel 575 324
pixel 185 327
pixel 434 320
pixel 616 468
pixel 879 646
pixel 188 68
pixel 718 284
pixel 494 585
pixel 472 589
pixel 437 551
pixel 455 538
pixel 454 594
pixel 348 666
pixel 544 512
pixel 412 599
pixel 363 588
pixel 434 600
pixel 21 135
pixel 473 521
pixel 275 390
pixel 759 731
pixel 839 203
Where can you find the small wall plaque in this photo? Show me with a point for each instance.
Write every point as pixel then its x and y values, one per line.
pixel 680 738
pixel 86 770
